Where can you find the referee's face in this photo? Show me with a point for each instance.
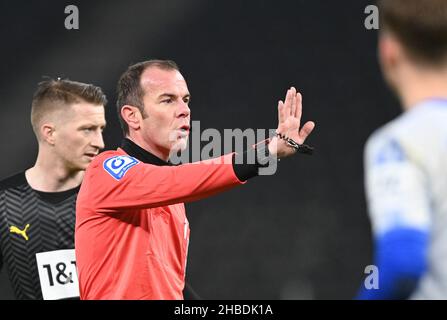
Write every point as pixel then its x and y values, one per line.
pixel 78 135
pixel 165 128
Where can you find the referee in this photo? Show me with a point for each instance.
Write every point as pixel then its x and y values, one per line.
pixel 132 233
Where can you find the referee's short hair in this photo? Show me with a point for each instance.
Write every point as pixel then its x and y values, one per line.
pixel 419 25
pixel 55 95
pixel 129 90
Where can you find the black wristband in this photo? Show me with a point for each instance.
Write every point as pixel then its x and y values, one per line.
pixel 246 165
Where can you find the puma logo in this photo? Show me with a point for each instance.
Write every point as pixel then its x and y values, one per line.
pixel 14 229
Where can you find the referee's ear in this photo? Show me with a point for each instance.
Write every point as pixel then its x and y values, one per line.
pixel 132 116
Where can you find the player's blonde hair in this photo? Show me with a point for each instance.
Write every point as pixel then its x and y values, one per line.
pixel 58 95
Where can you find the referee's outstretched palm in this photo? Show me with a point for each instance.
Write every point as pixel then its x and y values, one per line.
pixel 289 118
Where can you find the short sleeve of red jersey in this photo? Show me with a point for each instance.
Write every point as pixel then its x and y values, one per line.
pixel 116 180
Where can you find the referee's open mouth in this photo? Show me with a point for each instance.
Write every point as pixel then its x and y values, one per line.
pixel 184 130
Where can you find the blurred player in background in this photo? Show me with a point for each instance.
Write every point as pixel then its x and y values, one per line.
pixel 406 160
pixel 132 233
pixel 37 206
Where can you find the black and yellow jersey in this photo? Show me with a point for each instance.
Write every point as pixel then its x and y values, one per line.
pixel 37 240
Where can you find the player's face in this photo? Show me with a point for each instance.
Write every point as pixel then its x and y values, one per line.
pixel 166 126
pixel 78 135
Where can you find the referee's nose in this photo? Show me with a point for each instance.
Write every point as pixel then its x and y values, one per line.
pixel 183 111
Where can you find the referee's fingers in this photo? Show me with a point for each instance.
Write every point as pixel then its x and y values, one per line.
pixel 288 103
pixel 306 130
pixel 299 106
pixel 281 115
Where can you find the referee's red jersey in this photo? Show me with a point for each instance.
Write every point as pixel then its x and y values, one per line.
pixel 132 234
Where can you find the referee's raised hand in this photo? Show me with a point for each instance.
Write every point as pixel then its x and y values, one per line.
pixel 289 119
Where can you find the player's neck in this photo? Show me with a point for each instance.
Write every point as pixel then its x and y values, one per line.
pixel 50 175
pixel 420 86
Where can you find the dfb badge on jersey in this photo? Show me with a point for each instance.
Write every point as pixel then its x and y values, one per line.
pixel 118 166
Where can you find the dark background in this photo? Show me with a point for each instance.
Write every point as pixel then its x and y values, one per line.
pixel 301 234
